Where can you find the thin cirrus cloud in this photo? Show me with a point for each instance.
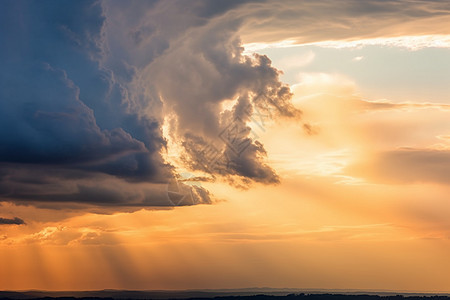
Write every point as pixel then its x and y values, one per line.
pixel 409 23
pixel 405 166
pixel 394 143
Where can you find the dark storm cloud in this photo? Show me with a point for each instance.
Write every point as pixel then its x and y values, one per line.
pixel 14 221
pixel 58 106
pixel 85 88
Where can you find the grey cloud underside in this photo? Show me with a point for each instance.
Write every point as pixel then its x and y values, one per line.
pixel 85 88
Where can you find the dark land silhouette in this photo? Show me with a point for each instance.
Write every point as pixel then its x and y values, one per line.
pixel 218 295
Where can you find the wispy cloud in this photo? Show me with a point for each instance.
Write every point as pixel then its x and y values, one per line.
pixel 14 221
pixel 351 23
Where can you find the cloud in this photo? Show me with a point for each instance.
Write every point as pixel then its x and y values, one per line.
pixel 424 23
pixel 193 79
pixel 381 125
pixel 382 142
pixel 405 166
pixel 15 221
pixel 86 87
pixel 64 118
pixel 412 43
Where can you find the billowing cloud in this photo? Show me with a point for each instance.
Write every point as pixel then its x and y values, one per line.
pixel 14 221
pixel 64 117
pixel 196 76
pixel 86 89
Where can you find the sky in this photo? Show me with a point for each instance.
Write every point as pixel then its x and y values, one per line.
pixel 222 144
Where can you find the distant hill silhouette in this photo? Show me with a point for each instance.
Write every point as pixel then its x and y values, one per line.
pixel 215 295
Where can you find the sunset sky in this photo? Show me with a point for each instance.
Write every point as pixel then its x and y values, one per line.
pixel 212 144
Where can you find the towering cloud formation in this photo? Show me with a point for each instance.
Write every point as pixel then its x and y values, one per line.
pixel 87 86
pixel 196 75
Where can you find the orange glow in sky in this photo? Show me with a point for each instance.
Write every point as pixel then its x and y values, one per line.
pixel 346 188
